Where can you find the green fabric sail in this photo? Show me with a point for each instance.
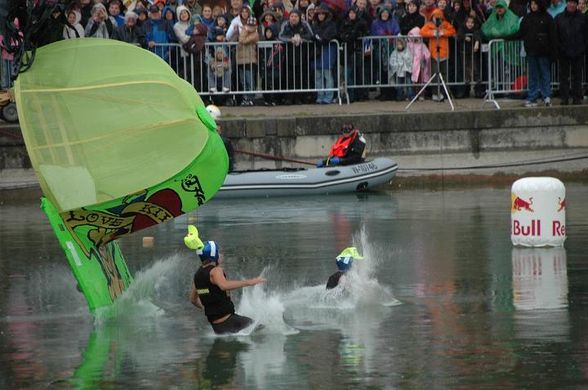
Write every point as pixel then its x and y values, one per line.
pixel 119 143
pixel 107 119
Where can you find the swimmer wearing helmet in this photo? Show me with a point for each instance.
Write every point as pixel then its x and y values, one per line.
pixel 344 262
pixel 210 287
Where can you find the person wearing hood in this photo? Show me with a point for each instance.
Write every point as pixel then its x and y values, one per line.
pixel 267 19
pixel 130 32
pixel 421 57
pixel 194 8
pixel 181 27
pixel 324 29
pixel 297 34
pixel 271 62
pixel 169 14
pixel 412 18
pixel 351 29
pixel 99 25
pixel 210 287
pixel 237 24
pixel 572 32
pixel 247 60
pixel 537 30
pixel 399 68
pixel 383 25
pixel 73 29
pixel 308 15
pixel 501 24
pixel 556 7
pixel 438 30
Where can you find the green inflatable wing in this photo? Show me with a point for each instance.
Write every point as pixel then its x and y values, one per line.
pixel 119 143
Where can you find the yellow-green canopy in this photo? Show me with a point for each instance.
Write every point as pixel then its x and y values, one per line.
pixel 103 119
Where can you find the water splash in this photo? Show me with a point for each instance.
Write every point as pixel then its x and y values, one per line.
pixel 153 292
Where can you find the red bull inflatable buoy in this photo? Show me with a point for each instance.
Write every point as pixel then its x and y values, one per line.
pixel 538 212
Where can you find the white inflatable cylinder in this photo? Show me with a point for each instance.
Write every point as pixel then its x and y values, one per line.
pixel 538 212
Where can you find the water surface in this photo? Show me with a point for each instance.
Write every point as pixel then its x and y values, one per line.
pixel 442 299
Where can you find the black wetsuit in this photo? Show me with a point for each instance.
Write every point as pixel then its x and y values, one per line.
pixel 218 304
pixel 334 280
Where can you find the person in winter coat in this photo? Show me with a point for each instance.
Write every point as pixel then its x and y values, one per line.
pixel 247 59
pixel 237 24
pixel 399 69
pixel 501 24
pixel 99 25
pixel 412 18
pixel 421 57
pixel 324 29
pixel 438 30
pixel 352 28
pixel 158 31
pixel 181 27
pixel 572 32
pixel 297 34
pixel 470 44
pixel 219 73
pixel 130 32
pixel 383 25
pixel 537 30
pixel 271 63
pixel 73 29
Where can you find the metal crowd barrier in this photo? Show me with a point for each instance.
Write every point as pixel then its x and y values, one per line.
pixel 366 68
pixel 508 70
pixel 280 70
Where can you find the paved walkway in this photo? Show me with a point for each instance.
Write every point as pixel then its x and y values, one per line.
pixel 368 107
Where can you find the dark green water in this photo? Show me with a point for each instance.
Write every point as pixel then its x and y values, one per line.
pixel 442 300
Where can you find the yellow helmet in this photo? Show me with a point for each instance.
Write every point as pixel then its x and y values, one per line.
pixel 192 240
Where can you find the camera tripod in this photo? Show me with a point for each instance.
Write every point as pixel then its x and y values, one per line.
pixel 437 74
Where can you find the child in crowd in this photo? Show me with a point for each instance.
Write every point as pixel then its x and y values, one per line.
pixel 247 59
pixel 267 19
pixel 421 57
pixel 471 41
pixel 73 29
pixel 219 74
pixel 219 30
pixel 271 57
pixel 399 69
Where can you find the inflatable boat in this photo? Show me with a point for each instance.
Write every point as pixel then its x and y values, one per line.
pixel 308 181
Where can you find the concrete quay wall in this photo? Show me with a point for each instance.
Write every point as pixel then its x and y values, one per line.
pixel 307 132
pixel 308 137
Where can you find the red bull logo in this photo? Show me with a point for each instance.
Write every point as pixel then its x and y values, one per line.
pixel 533 229
pixel 562 204
pixel 519 204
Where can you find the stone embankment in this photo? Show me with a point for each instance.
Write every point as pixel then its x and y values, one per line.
pixel 476 142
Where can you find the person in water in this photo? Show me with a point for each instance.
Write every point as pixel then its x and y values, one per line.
pixel 344 262
pixel 210 287
pixel 348 149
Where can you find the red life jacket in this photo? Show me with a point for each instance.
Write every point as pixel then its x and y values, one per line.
pixel 339 148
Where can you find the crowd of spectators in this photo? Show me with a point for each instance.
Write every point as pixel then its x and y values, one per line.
pixel 421 29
